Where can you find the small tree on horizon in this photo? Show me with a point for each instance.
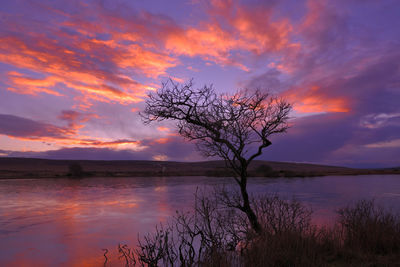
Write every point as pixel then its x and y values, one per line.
pixel 235 127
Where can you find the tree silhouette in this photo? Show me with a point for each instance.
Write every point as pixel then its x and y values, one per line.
pixel 234 127
pixel 75 170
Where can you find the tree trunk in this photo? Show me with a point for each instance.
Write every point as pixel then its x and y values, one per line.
pixel 247 208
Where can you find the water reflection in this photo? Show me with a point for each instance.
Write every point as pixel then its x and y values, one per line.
pixel 68 222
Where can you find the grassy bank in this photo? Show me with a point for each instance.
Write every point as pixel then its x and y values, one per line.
pixel 13 168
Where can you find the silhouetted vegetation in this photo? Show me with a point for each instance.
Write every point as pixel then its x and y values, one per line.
pixel 234 127
pixel 370 229
pixel 266 171
pixel 220 172
pixel 216 234
pixel 75 170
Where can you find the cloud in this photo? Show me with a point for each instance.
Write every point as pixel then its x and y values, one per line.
pixel 68 53
pixel 70 141
pixel 314 100
pixel 373 121
pixel 75 119
pixel 232 29
pixel 95 50
pixel 337 139
pixel 339 67
pixel 90 153
pixel 163 129
pixel 26 85
pixel 31 130
pixel 386 144
pixel 160 157
pixel 310 139
pixel 347 75
pixel 18 127
pixel 175 150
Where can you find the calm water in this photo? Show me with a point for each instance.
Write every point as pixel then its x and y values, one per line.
pixel 64 222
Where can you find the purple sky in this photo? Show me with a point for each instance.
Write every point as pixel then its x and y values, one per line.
pixel 74 74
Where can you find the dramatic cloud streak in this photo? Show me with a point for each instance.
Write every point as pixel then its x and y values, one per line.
pixel 233 29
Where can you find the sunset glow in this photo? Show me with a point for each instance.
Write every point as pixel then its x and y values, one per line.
pixel 75 74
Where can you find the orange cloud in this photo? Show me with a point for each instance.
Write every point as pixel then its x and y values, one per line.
pixel 163 129
pixel 314 100
pixel 120 144
pixel 233 28
pixel 160 157
pixel 179 80
pixel 162 140
pixel 72 58
pixel 100 70
pixel 66 141
pixel 318 104
pixel 32 86
pixel 149 63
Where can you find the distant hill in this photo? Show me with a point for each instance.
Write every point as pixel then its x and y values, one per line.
pixel 45 168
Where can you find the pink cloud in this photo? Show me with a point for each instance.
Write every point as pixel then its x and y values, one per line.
pixel 314 99
pixel 231 29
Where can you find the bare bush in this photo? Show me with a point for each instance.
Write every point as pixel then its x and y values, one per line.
pixel 75 170
pixel 370 228
pixel 194 237
pixel 278 216
pixel 216 227
pixel 215 233
pixel 127 254
pixel 156 247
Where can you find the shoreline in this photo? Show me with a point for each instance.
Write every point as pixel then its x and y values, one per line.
pixel 25 168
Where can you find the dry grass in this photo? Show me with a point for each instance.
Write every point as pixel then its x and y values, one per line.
pixel 214 235
pixel 364 235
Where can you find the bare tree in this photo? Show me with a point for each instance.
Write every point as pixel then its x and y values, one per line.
pixel 234 127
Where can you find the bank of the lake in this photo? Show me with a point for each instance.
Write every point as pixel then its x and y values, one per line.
pixel 17 168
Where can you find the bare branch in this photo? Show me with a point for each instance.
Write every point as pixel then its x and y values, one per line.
pixel 234 127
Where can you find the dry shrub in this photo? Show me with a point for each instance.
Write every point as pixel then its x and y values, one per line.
pixel 75 170
pixel 287 238
pixel 205 236
pixel 282 216
pixel 216 233
pixel 370 228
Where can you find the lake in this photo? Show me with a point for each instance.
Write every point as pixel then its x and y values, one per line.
pixel 64 222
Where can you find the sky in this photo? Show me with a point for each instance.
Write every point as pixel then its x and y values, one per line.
pixel 74 75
